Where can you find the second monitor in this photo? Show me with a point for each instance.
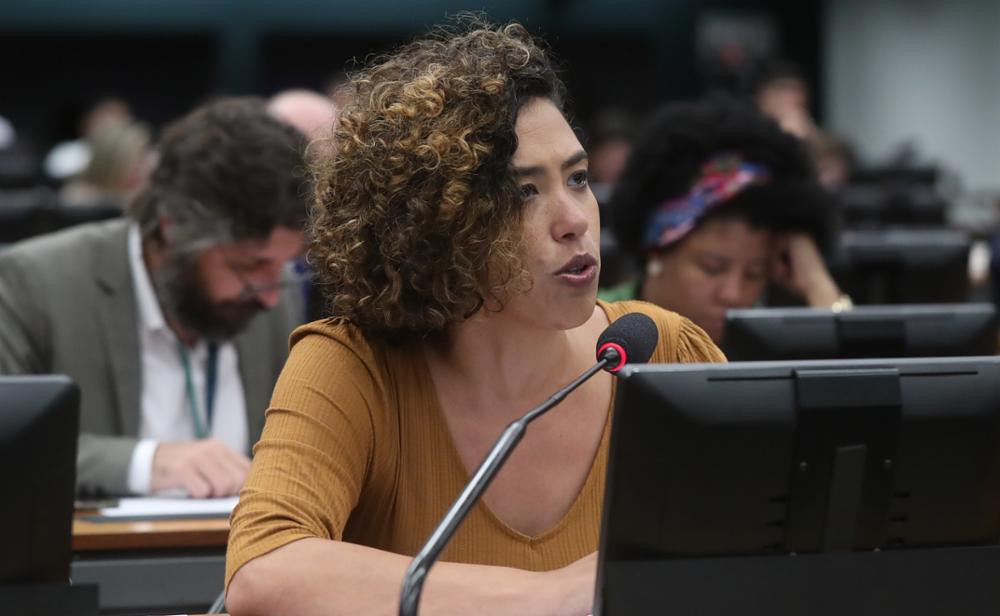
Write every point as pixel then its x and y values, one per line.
pixel 804 487
pixel 933 330
pixel 903 266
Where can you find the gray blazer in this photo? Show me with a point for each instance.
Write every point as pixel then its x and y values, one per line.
pixel 67 306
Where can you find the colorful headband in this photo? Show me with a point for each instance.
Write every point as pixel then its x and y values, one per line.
pixel 723 177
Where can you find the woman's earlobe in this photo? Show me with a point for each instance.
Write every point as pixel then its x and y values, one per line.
pixel 654 267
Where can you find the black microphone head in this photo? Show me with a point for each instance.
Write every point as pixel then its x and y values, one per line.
pixel 629 340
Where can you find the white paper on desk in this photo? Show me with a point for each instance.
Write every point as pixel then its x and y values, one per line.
pixel 170 506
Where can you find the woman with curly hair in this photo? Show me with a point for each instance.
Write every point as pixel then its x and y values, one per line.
pixel 458 238
pixel 715 202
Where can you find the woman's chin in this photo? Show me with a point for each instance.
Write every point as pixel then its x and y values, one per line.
pixel 578 313
pixel 556 311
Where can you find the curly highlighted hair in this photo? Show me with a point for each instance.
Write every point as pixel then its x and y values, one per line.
pixel 416 222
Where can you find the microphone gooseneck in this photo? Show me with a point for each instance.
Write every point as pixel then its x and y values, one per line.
pixel 621 343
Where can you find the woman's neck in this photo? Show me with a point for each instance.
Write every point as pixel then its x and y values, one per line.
pixel 510 361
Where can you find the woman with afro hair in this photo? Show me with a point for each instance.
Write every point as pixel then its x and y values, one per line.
pixel 457 238
pixel 715 202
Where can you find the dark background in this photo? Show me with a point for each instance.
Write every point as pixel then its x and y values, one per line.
pixel 165 56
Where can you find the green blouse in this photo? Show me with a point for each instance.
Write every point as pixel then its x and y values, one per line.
pixel 622 292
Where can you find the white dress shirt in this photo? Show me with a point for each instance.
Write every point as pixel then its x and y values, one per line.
pixel 166 414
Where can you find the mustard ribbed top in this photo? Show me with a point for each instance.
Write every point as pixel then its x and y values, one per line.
pixel 356 448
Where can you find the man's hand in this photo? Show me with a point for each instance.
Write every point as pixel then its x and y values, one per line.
pixel 204 469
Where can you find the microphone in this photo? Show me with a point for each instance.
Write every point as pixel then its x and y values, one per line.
pixel 629 340
pixel 633 337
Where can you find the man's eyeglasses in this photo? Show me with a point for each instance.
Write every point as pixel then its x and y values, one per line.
pixel 294 276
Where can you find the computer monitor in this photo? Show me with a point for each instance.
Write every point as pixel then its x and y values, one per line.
pixel 903 266
pixel 897 174
pixel 777 458
pixel 874 206
pixel 930 330
pixel 39 419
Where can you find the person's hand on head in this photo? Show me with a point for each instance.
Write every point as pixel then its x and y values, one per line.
pixel 204 469
pixel 798 266
pixel 798 122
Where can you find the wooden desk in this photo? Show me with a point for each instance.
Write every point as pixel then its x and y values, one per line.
pixel 151 567
pixel 96 536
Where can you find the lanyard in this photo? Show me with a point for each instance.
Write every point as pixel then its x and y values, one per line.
pixel 201 431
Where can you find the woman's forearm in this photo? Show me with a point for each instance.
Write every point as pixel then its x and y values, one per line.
pixel 319 577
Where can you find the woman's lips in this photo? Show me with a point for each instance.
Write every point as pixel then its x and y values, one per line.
pixel 581 270
pixel 578 276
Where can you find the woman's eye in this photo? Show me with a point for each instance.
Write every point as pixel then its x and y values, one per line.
pixel 528 190
pixel 712 269
pixel 579 179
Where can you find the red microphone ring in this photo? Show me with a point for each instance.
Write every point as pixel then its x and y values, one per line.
pixel 622 359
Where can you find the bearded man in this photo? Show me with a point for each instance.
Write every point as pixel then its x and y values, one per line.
pixel 173 321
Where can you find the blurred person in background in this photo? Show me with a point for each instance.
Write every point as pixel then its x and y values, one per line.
pixel 336 89
pixel 312 114
pixel 309 112
pixel 173 321
pixel 69 158
pixel 119 164
pixel 608 145
pixel 716 202
pixel 834 157
pixel 19 164
pixel 782 94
